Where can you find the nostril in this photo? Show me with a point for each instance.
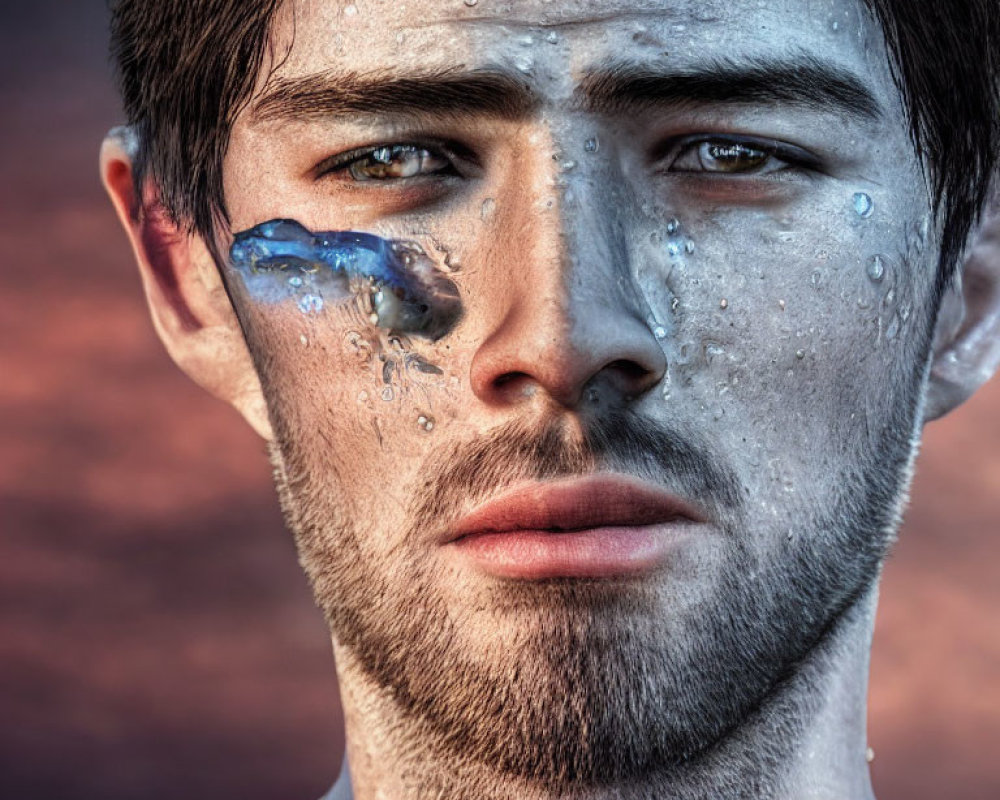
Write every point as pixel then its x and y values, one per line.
pixel 629 369
pixel 511 384
pixel 631 377
pixel 509 377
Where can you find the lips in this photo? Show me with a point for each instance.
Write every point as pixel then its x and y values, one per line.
pixel 594 526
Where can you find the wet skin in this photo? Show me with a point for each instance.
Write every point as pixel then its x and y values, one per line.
pixel 707 265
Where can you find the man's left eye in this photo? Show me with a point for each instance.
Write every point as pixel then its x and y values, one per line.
pixel 735 157
pixel 395 162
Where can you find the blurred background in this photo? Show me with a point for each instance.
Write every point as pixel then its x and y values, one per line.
pixel 157 639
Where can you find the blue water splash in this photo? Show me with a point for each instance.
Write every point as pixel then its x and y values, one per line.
pixel 400 286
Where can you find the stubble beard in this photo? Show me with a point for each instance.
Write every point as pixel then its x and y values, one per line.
pixel 592 683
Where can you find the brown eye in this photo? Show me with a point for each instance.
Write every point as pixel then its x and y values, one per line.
pixel 397 162
pixel 731 157
pixel 725 157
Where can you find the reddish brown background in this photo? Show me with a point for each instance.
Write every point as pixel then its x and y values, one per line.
pixel 156 638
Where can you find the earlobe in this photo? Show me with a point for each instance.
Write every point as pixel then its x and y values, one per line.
pixel 967 338
pixel 187 300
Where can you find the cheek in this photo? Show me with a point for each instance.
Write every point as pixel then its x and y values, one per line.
pixel 345 329
pixel 791 335
pixel 358 406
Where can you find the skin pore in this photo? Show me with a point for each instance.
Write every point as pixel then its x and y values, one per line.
pixel 693 246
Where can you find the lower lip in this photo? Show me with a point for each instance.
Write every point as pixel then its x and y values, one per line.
pixel 592 553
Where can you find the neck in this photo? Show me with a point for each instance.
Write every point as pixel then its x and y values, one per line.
pixel 806 741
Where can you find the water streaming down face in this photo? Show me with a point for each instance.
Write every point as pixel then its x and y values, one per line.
pixel 395 284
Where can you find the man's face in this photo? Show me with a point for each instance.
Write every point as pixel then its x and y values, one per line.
pixel 723 293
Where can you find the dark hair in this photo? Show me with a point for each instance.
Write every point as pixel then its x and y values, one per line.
pixel 187 67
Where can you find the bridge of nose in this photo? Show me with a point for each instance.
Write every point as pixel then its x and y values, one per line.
pixel 570 306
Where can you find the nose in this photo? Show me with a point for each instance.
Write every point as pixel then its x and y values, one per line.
pixel 569 318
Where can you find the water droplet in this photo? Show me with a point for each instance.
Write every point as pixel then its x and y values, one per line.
pixel 800 354
pixel 311 304
pixel 713 351
pixel 388 394
pixel 675 304
pixel 420 364
pixel 350 10
pixel 526 41
pixel 723 304
pixel 876 268
pixel 863 204
pixel 362 396
pixel 357 345
pixel 295 281
pixel 781 304
pixel 835 26
pixel 660 332
pixel 689 247
pixel 304 339
pixel 487 209
pixel 568 165
pixel 592 145
pixel 471 3
pixel 917 240
pixel 673 226
pixel 893 330
pixel 869 755
pixel 674 248
pixel 525 65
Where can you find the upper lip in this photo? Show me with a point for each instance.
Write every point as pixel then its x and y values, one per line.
pixel 593 501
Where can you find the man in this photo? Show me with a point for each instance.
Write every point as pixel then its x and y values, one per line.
pixel 591 342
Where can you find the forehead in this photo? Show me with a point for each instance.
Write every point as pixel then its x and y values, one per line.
pixel 564 36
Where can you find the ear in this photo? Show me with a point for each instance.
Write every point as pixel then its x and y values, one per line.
pixel 967 337
pixel 188 302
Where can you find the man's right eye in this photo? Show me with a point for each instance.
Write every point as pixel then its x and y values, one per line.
pixel 391 163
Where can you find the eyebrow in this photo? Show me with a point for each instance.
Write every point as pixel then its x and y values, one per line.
pixel 612 88
pixel 799 81
pixel 492 92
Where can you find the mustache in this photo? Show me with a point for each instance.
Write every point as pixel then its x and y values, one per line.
pixel 617 440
